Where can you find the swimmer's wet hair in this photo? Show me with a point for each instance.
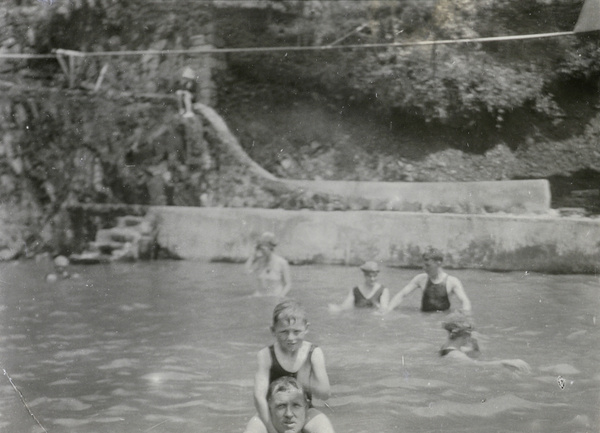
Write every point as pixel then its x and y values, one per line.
pixel 289 311
pixel 284 384
pixel 458 326
pixel 433 254
pixel 267 239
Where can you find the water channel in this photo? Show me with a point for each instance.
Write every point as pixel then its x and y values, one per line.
pixel 171 347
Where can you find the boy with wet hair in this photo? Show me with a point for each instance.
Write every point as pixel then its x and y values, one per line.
pixel 291 356
pixel 462 346
pixel 436 284
pixel 288 407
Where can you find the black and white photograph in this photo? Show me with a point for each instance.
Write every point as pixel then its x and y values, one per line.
pixel 299 216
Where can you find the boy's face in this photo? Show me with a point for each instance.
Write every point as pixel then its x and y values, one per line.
pixel 288 411
pixel 289 334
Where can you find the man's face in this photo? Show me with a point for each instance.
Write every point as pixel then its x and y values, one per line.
pixel 264 250
pixel 370 278
pixel 288 411
pixel 431 266
pixel 289 334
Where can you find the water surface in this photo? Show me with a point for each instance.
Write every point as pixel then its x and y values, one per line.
pixel 171 347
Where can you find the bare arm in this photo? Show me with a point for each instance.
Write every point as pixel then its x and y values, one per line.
pixel 385 299
pixel 414 284
pixel 285 275
pixel 347 304
pixel 517 364
pixel 261 386
pixel 457 288
pixel 319 383
pixel 249 265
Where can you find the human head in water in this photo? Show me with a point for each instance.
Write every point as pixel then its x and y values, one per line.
pixel 433 254
pixel 289 326
pixel 287 405
pixel 459 330
pixel 267 241
pixel 432 261
pixel 370 271
pixel 289 312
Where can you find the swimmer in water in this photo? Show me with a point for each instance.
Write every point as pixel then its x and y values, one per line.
pixel 60 270
pixel 290 355
pixel 289 409
pixel 271 270
pixel 463 347
pixel 370 294
pixel 436 284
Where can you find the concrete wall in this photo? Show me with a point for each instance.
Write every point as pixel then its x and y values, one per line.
pixel 533 243
pixel 516 196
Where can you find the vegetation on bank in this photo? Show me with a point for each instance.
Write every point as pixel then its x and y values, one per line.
pixel 477 111
pixel 469 86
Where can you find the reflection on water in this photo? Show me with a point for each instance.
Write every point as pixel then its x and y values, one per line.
pixel 171 347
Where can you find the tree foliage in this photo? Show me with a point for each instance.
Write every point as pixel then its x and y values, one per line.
pixel 458 84
pixel 455 84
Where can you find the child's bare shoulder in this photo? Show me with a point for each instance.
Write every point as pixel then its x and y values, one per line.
pixel 264 356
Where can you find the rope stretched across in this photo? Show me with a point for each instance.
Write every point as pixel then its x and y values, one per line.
pixel 210 50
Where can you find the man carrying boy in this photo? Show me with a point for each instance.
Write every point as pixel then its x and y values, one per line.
pixel 291 356
pixel 437 287
pixel 288 407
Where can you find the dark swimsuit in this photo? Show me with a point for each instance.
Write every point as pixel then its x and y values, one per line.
pixel 278 371
pixel 473 353
pixel 361 302
pixel 435 296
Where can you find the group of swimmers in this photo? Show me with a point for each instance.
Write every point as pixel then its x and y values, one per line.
pixel 273 275
pixel 291 370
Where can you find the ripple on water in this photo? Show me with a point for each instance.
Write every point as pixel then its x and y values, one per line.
pixel 411 383
pixel 60 404
pixel 119 363
pixel 133 307
pixel 487 408
pixel 560 369
pixel 226 407
pixel 120 392
pixel 64 382
pixel 70 422
pixel 119 410
pixel 160 377
pixel 62 354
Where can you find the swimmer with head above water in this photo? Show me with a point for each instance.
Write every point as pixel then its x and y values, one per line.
pixel 272 270
pixel 437 287
pixel 289 409
pixel 61 263
pixel 370 294
pixel 291 356
pixel 462 346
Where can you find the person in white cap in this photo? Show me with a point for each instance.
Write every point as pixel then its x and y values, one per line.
pixel 370 294
pixel 272 270
pixel 186 94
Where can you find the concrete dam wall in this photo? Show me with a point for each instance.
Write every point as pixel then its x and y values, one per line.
pixel 495 242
